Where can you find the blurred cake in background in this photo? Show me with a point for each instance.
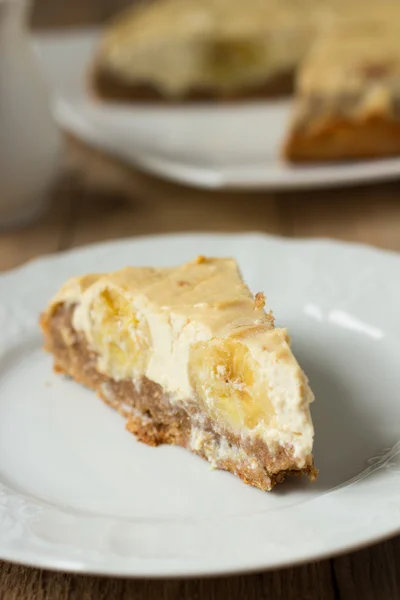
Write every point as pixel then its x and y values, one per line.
pixel 179 49
pixel 348 94
pixel 339 57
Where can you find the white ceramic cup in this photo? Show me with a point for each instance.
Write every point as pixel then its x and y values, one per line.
pixel 29 138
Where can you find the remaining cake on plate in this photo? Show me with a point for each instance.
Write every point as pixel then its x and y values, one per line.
pixel 189 357
pixel 344 55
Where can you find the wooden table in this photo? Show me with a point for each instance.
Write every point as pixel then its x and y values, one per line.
pixel 98 199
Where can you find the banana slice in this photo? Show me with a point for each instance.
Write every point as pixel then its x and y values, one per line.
pixel 119 334
pixel 223 375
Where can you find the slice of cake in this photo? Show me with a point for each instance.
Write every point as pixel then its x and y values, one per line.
pixel 191 49
pixel 189 357
pixel 348 103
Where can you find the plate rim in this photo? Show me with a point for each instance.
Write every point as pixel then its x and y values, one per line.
pixel 82 567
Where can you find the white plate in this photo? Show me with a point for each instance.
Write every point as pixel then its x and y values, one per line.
pixel 78 492
pixel 218 146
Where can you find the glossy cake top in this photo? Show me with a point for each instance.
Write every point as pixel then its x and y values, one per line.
pixel 209 291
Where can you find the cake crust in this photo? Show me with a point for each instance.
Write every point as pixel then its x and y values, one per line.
pixel 107 87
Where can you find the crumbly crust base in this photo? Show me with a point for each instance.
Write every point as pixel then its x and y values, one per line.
pixel 155 420
pixel 105 86
pixel 341 138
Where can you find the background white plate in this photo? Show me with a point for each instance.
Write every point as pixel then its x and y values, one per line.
pixel 235 146
pixel 78 492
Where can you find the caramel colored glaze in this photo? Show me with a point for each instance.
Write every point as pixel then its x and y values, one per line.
pixel 150 415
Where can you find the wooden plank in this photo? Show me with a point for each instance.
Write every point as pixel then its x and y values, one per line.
pixel 311 582
pixel 371 574
pixel 369 214
pixel 118 201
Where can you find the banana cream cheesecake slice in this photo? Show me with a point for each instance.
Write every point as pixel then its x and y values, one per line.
pixel 188 356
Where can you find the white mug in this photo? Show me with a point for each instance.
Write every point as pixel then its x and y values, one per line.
pixel 30 141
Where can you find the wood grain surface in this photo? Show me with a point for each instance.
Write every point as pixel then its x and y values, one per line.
pixel 97 199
